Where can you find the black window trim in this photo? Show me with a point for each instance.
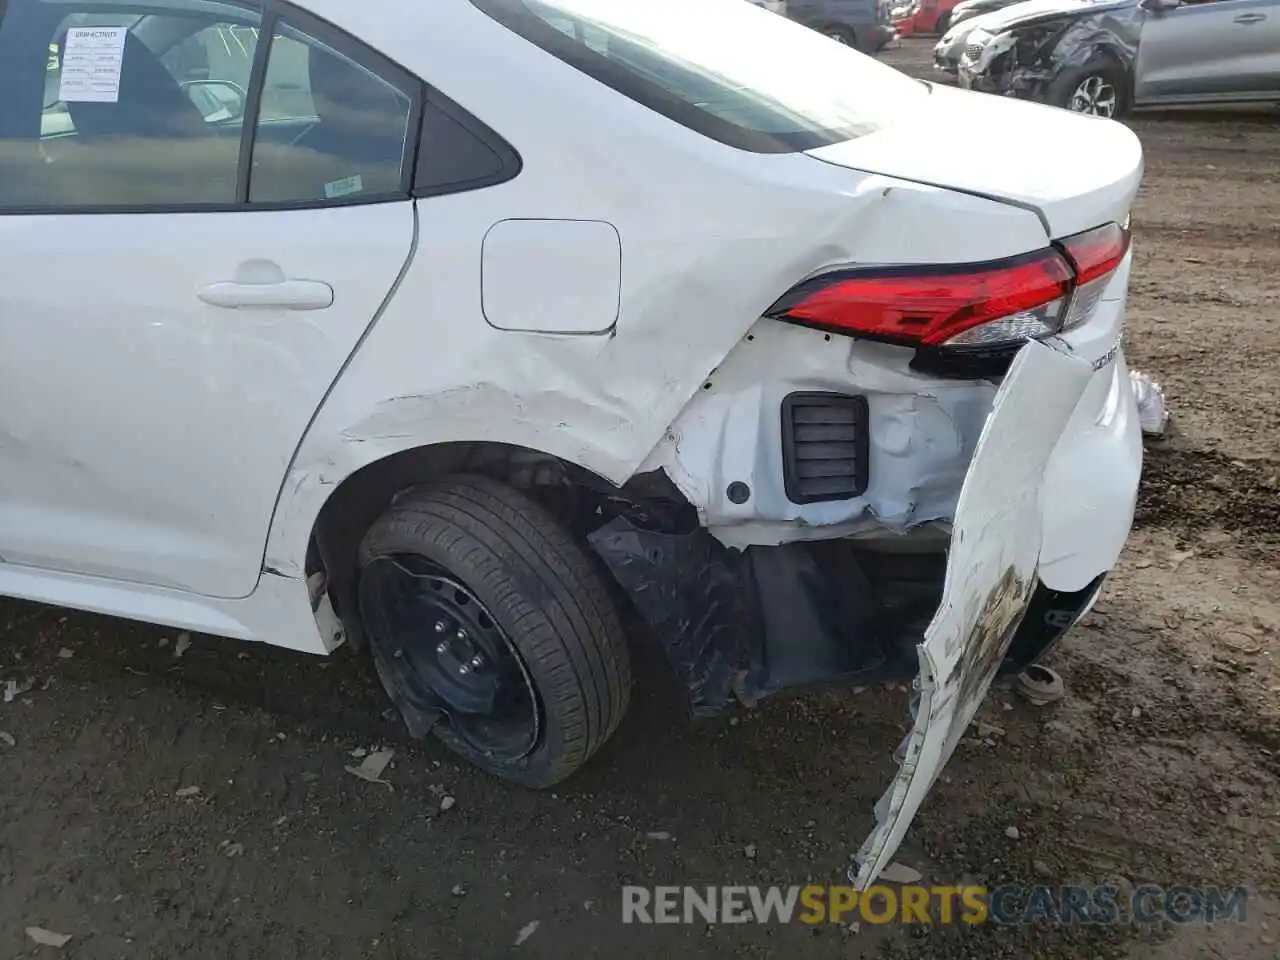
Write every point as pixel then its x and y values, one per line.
pixel 510 161
pixel 271 12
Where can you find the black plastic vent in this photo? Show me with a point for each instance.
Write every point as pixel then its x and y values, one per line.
pixel 825 447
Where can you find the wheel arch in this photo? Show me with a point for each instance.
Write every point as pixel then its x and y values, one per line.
pixel 1086 42
pixel 351 506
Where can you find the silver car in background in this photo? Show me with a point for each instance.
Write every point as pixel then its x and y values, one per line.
pixel 1107 57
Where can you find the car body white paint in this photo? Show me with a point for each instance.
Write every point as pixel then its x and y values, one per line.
pixel 241 424
pixel 551 276
pixel 1071 195
pixel 145 431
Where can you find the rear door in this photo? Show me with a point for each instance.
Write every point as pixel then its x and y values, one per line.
pixel 1215 50
pixel 177 297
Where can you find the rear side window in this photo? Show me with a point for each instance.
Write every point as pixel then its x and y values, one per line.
pixel 724 68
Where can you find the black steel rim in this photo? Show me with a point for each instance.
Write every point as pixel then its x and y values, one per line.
pixel 448 655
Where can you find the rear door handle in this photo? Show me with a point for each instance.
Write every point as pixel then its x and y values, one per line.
pixel 281 295
pixel 1249 18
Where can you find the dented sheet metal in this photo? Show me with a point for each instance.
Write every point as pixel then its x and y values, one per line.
pixel 991 575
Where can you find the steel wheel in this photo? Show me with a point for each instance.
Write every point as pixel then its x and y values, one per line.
pixel 443 650
pixel 1095 96
pixel 492 628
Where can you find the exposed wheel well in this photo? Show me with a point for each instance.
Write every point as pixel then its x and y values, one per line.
pixel 573 494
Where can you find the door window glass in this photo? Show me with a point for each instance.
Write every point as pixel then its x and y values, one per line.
pixel 331 129
pixel 124 109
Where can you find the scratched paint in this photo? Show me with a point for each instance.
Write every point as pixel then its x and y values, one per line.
pixel 991 573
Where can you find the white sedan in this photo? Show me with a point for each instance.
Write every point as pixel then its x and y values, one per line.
pixel 451 330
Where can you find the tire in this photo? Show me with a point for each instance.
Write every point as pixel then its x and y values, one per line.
pixel 542 592
pixel 1100 70
pixel 841 35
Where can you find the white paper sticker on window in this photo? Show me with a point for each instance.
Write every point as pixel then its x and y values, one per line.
pixel 346 187
pixel 91 65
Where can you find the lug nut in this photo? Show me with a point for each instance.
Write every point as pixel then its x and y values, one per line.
pixel 441 648
pixel 477 661
pixel 464 669
pixel 441 626
pixel 461 635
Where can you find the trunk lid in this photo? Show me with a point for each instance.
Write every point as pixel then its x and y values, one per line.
pixel 1076 172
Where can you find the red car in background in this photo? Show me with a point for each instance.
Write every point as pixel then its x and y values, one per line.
pixel 923 16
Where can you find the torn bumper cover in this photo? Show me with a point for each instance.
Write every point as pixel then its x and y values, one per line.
pixel 750 622
pixel 991 577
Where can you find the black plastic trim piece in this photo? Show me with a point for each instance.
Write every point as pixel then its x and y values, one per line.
pixel 792 481
pixel 966 363
pixel 508 159
pixel 1050 615
pixel 253 99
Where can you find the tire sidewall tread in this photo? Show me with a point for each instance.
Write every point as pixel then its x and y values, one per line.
pixel 546 595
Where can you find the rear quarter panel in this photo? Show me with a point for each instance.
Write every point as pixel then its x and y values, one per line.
pixel 710 235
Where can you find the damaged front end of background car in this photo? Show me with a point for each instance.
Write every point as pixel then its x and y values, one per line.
pixel 1041 53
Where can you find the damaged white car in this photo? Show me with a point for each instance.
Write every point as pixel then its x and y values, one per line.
pixel 448 329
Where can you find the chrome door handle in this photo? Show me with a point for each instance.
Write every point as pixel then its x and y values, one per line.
pixel 1249 18
pixel 280 295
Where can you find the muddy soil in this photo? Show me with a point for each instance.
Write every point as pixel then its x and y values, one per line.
pixel 164 806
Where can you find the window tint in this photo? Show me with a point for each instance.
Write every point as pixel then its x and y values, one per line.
pixel 725 68
pixel 330 128
pixel 123 109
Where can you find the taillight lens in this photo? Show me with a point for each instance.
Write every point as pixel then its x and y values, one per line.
pixel 1096 253
pixel 968 305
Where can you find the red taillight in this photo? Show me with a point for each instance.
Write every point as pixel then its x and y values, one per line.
pixel 1096 253
pixel 975 305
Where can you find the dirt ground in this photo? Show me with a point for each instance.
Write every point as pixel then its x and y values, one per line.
pixel 1161 766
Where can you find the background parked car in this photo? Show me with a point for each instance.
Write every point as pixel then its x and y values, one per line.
pixel 1087 57
pixel 774 6
pixel 964 17
pixel 925 16
pixel 858 23
pixel 968 9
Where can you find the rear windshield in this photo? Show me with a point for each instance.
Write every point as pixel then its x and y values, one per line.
pixel 725 68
